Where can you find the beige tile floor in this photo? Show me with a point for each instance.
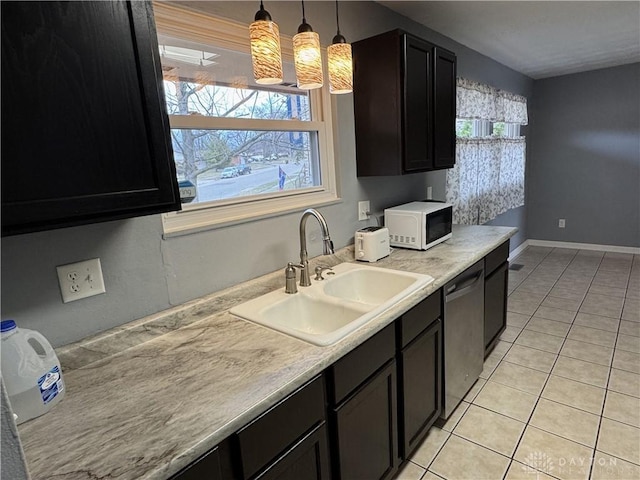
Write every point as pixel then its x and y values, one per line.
pixel 559 396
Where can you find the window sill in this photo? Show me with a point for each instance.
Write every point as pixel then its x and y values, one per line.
pixel 195 220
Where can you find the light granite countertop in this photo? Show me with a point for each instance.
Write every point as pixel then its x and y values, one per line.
pixel 146 399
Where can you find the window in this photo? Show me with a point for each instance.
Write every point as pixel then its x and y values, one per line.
pixel 505 129
pixel 488 178
pixel 466 128
pixel 242 150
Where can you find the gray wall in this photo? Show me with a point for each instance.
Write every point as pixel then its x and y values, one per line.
pixel 145 273
pixel 585 158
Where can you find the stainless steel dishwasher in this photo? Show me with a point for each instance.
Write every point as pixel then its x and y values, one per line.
pixel 463 335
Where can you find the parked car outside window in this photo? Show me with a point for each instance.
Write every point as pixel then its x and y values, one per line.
pixel 229 172
pixel 244 169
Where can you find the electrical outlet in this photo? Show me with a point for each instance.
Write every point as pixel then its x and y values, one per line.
pixel 80 280
pixel 561 223
pixel 363 210
pixel 429 193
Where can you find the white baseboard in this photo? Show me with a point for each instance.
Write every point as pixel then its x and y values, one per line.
pixel 574 245
pixel 518 250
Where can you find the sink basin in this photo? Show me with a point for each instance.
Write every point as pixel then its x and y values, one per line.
pixel 331 309
pixel 372 286
pixel 311 315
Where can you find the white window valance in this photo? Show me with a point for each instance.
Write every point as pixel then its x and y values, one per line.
pixel 479 101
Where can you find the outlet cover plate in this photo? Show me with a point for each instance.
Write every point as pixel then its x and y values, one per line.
pixel 363 209
pixel 80 280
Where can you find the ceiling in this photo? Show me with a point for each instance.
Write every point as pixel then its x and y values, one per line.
pixel 537 38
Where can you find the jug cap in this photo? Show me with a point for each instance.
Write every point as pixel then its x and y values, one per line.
pixel 7 325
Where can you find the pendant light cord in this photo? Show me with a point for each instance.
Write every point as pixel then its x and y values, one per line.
pixel 303 19
pixel 337 18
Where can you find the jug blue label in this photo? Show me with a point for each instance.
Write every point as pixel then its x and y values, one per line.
pixel 50 384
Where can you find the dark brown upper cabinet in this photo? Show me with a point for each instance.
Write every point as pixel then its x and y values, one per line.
pixel 404 102
pixel 85 133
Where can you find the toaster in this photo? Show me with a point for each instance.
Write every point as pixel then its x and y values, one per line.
pixel 372 244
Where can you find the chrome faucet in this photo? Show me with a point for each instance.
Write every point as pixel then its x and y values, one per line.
pixel 305 280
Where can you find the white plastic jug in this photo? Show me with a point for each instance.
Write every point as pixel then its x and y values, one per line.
pixel 30 370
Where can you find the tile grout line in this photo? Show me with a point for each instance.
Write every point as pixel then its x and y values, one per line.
pixel 511 460
pixel 547 379
pixel 606 392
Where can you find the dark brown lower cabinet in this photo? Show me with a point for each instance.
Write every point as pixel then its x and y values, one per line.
pixel 365 430
pixel 496 285
pixel 365 414
pixel 419 372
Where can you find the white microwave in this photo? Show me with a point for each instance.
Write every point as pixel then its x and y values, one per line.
pixel 418 225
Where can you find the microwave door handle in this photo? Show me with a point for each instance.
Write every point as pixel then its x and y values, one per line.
pixel 425 231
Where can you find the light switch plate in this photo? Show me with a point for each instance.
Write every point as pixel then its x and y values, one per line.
pixel 80 280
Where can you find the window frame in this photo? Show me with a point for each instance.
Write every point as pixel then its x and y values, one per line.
pixel 178 22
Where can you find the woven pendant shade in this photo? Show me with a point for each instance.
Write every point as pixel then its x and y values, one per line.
pixel 340 62
pixel 340 68
pixel 265 49
pixel 307 58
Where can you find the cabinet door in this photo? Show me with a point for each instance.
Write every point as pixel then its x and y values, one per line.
pixel 444 128
pixel 420 384
pixel 377 104
pixel 85 135
pixel 365 430
pixel 495 305
pixel 308 459
pixel 417 121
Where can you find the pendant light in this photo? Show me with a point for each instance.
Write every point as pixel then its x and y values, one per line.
pixel 265 49
pixel 306 56
pixel 340 62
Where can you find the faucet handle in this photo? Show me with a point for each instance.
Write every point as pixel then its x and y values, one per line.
pixel 290 278
pixel 319 269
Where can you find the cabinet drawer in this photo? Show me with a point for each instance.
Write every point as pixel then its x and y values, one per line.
pixel 496 258
pixel 418 318
pixel 353 369
pixel 270 434
pixel 308 458
pixel 207 466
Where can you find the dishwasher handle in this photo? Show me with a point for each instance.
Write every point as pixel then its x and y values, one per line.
pixel 457 291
